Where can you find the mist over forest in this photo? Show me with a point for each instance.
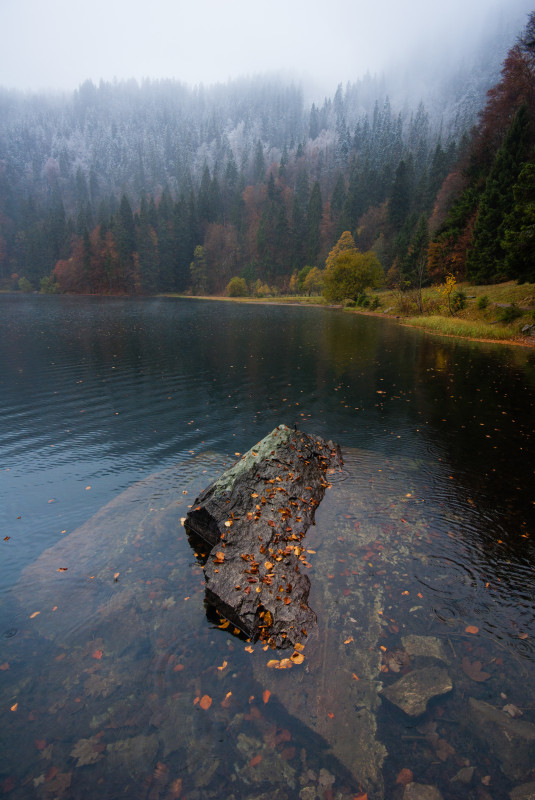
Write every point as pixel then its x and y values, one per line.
pixel 154 185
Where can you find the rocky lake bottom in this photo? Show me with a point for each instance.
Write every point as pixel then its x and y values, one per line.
pixel 417 684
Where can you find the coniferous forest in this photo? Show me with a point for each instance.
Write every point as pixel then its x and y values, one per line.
pixel 159 187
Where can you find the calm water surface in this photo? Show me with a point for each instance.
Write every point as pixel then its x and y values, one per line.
pixel 115 414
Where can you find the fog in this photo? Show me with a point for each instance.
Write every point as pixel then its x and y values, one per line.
pixel 59 44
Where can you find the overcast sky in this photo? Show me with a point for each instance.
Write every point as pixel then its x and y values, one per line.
pixel 58 44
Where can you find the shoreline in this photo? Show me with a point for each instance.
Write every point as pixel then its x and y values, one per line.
pixel 527 342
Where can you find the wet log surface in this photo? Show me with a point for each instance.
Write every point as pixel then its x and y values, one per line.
pixel 252 521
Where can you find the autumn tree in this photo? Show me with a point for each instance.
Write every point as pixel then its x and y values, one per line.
pixel 314 281
pixel 350 273
pixel 344 243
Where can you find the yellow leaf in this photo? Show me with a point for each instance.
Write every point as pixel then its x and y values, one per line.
pixel 273 663
pixel 297 658
pixel 249 648
pixel 285 663
pixel 35 613
pixel 350 639
pixel 223 665
pixel 14 707
pixel 224 625
pixel 299 647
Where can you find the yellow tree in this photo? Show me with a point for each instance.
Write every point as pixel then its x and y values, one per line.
pixel 345 243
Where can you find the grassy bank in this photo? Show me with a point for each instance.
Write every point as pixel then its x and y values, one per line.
pixel 495 313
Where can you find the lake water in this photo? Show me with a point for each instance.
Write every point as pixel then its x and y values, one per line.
pixel 116 413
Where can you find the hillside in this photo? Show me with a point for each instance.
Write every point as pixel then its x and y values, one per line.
pixel 162 187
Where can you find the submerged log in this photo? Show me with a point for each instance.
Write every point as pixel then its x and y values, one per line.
pixel 252 520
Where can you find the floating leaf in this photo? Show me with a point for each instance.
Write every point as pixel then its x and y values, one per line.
pixel 297 658
pixel 14 707
pixel 266 695
pixel 471 629
pixel 35 613
pixel 223 666
pixel 249 648
pixel 62 569
pixel 273 663
pixel 205 702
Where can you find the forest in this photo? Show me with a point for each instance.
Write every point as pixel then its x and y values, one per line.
pixel 127 188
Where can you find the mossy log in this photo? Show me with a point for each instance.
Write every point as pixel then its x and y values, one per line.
pixel 252 521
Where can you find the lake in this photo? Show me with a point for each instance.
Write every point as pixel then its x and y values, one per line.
pixel 115 682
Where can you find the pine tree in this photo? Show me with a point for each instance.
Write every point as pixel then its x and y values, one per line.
pixel 519 228
pixel 486 258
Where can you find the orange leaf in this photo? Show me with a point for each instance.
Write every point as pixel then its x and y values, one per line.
pixel 175 790
pixel 14 707
pixel 266 695
pixel 225 703
pixel 205 702
pixel 98 654
pixel 35 613
pixel 471 629
pixel 297 658
pixel 405 776
pixel 255 760
pixel 223 665
pixel 330 715
pixel 273 663
pixel 4 666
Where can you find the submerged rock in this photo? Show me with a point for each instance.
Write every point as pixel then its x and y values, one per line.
pixel 412 692
pixel 424 647
pixel 511 741
pixel 421 791
pixel 524 792
pixel 252 520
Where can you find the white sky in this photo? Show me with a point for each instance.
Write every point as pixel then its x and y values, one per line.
pixel 58 44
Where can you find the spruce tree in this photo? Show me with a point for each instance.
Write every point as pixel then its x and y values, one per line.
pixel 486 260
